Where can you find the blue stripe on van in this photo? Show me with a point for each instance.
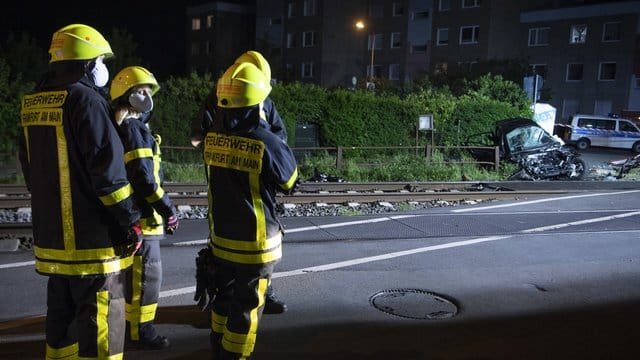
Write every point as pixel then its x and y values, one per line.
pixel 602 132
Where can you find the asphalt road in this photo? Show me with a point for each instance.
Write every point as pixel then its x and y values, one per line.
pixel 536 278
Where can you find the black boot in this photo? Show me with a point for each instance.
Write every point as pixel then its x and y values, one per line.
pixel 272 305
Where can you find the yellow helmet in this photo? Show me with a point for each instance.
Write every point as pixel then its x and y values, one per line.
pixel 242 85
pixel 78 42
pixel 130 77
pixel 256 59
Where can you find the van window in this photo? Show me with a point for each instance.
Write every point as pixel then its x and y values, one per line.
pixel 625 126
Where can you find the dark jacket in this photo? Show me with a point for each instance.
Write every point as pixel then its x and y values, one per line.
pixel 247 164
pixel 73 164
pixel 144 170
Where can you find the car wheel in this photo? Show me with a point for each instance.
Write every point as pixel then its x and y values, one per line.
pixel 579 170
pixel 636 147
pixel 582 144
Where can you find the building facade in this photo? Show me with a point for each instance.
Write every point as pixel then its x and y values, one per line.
pixel 587 52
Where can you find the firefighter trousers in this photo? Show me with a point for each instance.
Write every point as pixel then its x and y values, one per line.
pixel 237 308
pixel 143 289
pixel 85 317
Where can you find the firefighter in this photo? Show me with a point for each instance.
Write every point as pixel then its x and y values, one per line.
pixel 246 164
pixel 205 118
pixel 131 92
pixel 85 224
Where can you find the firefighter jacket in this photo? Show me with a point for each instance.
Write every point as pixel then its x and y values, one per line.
pixel 73 164
pixel 207 115
pixel 144 170
pixel 245 169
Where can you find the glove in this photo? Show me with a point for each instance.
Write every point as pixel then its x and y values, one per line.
pixel 171 224
pixel 205 283
pixel 134 239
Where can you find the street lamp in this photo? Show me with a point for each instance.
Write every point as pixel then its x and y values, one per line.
pixel 360 25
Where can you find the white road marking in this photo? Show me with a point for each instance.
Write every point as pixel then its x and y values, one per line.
pixel 18 264
pixel 520 203
pixel 580 222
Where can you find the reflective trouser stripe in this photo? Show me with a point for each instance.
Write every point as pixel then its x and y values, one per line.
pixel 102 322
pixel 244 343
pixel 67 352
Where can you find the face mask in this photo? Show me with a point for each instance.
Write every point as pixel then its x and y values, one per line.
pixel 100 73
pixel 141 103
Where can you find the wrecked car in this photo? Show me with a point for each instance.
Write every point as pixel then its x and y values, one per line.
pixel 540 156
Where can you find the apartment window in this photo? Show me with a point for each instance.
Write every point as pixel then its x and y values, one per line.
pixel 420 15
pixel 470 4
pixel 611 31
pixel 539 36
pixel 195 24
pixel 209 21
pixel 307 69
pixel 291 9
pixel 396 40
pixel 575 71
pixel 441 68
pixel 418 49
pixel 607 71
pixel 578 34
pixel 394 72
pixel 376 11
pixel 444 5
pixel 291 40
pixel 208 47
pixel 469 34
pixel 377 41
pixel 309 8
pixel 195 48
pixel 397 9
pixel 442 36
pixel 308 38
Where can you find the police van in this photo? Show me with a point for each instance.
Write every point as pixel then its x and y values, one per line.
pixel 593 130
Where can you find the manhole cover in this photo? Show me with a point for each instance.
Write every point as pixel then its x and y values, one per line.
pixel 414 304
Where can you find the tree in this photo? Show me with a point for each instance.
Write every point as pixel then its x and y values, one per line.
pixel 124 47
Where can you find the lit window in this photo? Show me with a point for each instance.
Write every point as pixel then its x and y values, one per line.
pixel 398 9
pixel 377 41
pixel 309 7
pixel 607 71
pixel 394 72
pixel 539 36
pixel 307 70
pixel 308 39
pixel 469 34
pixel 444 5
pixel 611 31
pixel 578 34
pixel 396 40
pixel 291 40
pixel 470 3
pixel 209 21
pixel 195 24
pixel 443 36
pixel 575 71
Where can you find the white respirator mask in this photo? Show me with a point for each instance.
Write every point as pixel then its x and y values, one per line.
pixel 100 73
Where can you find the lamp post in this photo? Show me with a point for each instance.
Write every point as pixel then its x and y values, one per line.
pixel 360 25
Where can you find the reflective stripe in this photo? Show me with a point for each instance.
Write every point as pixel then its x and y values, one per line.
pixel 218 322
pixel 66 205
pixel 240 258
pixel 244 245
pixel 74 255
pixel 292 180
pixel 117 196
pixel 258 208
pixel 137 154
pixel 67 352
pixel 245 343
pixel 75 269
pixel 132 309
pixel 102 323
pixel 152 225
pixel 157 195
pixel 148 312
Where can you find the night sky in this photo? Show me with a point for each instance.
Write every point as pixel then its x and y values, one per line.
pixel 158 27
